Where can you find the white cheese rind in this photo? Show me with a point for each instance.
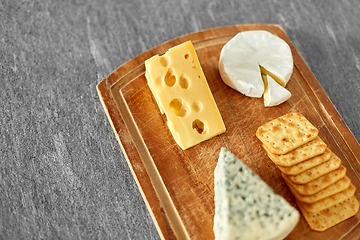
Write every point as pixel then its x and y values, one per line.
pixel 242 56
pixel 245 206
pixel 274 93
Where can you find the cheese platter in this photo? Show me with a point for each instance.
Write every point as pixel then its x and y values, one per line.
pixel 178 185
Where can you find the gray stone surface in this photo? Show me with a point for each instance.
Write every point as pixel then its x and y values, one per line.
pixel 62 172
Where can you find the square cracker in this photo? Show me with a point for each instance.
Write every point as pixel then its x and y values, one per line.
pixel 304 152
pixel 334 188
pixel 286 133
pixel 318 184
pixel 329 201
pixel 332 164
pixel 329 217
pixel 307 164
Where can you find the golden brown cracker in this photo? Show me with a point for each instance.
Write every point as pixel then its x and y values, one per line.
pixel 318 184
pixel 329 217
pixel 332 164
pixel 304 152
pixel 334 188
pixel 286 133
pixel 330 201
pixel 307 164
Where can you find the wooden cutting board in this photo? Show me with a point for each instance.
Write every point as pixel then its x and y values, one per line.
pixel 178 186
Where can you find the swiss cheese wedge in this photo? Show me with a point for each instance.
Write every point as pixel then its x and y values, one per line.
pixel 181 91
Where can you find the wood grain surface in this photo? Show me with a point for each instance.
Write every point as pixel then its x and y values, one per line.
pixel 178 185
pixel 62 172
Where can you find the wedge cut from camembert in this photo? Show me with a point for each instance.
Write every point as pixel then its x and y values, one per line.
pixel 251 53
pixel 181 91
pixel 245 206
pixel 274 93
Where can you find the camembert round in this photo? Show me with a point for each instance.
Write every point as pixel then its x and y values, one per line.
pixel 250 54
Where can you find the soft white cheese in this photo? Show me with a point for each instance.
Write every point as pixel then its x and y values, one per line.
pixel 274 94
pixel 241 58
pixel 245 206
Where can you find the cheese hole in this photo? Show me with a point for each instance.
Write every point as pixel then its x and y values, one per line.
pixel 164 61
pixel 170 78
pixel 184 81
pixel 179 107
pixel 196 106
pixel 176 104
pixel 186 56
pixel 159 82
pixel 193 64
pixel 199 126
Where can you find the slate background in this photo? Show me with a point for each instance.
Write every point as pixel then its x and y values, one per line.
pixel 62 172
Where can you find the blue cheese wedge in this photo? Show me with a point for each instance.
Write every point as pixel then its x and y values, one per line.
pixel 245 206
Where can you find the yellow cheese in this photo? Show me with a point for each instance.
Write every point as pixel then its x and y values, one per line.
pixel 181 91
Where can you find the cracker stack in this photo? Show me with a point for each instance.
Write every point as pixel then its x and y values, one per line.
pixel 313 173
